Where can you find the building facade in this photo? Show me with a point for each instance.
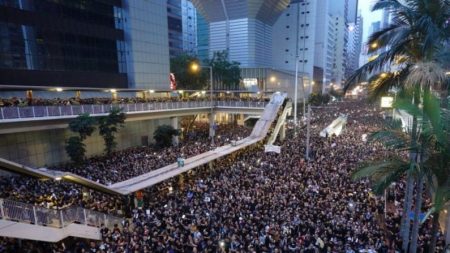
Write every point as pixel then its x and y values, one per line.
pixel 354 46
pixel 189 18
pixel 97 43
pixel 147 51
pixel 305 31
pixel 175 27
pixel 242 28
pixel 67 43
pixel 202 38
pixel 340 55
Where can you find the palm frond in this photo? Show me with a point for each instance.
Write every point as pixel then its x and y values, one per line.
pixel 426 74
pixel 390 4
pixel 383 173
pixel 406 105
pixel 385 59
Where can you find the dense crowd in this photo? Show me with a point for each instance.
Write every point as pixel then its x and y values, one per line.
pixel 116 167
pixel 132 162
pixel 17 101
pixel 254 201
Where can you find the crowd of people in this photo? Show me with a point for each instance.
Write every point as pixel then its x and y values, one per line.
pixel 252 201
pixel 132 162
pixel 17 101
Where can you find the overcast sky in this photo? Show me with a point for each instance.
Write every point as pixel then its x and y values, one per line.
pixel 365 7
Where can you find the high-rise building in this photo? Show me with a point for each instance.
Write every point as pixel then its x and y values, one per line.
pixel 147 53
pixel 243 28
pixel 175 27
pixel 354 46
pixel 315 45
pixel 331 51
pixel 96 43
pixel 202 38
pixel 340 55
pixel 298 19
pixel 189 27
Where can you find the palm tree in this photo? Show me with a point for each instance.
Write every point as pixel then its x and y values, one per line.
pixel 431 164
pixel 417 38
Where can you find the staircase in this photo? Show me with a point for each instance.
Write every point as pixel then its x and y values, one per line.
pixel 26 221
pixel 280 123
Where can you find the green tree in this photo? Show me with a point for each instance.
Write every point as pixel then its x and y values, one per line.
pixel 109 125
pixel 226 74
pixel 416 40
pixel 84 126
pixel 186 78
pixel 75 149
pixel 318 99
pixel 163 135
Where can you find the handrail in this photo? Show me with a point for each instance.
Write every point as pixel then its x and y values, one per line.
pixel 280 122
pixel 57 218
pixel 24 112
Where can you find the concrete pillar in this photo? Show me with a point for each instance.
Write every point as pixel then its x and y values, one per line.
pixel 29 96
pixel 447 225
pixel 283 132
pixel 241 119
pixel 174 123
pixel 212 131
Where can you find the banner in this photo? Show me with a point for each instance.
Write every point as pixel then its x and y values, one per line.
pixel 335 127
pixel 173 82
pixel 272 148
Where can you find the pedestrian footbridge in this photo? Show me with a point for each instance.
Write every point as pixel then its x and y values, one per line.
pixel 32 118
pixel 259 132
pixel 25 221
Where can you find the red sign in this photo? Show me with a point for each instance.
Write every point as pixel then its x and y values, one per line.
pixel 173 82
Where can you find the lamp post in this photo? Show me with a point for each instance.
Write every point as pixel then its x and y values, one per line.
pixel 295 95
pixel 308 129
pixel 195 67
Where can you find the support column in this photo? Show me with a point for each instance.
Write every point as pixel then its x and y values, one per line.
pixel 174 123
pixel 212 130
pixel 447 225
pixel 283 132
pixel 29 95
pixel 77 95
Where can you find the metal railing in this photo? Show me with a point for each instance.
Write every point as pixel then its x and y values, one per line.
pixel 27 213
pixel 25 112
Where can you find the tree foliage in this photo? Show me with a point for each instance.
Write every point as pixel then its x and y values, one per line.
pixel 226 74
pixel 317 99
pixel 416 46
pixel 84 125
pixel 163 135
pixel 185 77
pixel 109 125
pixel 75 149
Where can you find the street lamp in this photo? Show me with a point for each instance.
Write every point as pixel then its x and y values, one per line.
pixel 374 45
pixel 195 67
